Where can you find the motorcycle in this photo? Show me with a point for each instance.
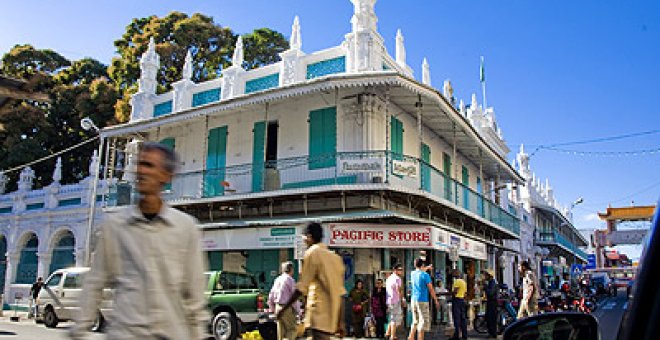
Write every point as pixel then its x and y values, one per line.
pixel 506 314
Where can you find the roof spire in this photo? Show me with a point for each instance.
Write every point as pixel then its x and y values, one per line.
pixel 296 42
pixel 149 64
pixel 364 16
pixel 187 67
pixel 400 49
pixel 237 58
pixel 426 72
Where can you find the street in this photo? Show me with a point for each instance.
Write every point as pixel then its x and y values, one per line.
pixel 27 329
pixel 609 314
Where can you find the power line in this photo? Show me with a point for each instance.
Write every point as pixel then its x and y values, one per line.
pixel 16 168
pixel 643 152
pixel 596 140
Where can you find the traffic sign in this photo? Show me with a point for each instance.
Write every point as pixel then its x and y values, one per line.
pixel 591 262
pixel 576 269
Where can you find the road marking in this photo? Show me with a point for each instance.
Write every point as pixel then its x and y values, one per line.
pixel 610 305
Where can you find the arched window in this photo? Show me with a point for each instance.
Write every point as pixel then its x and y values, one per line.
pixel 29 262
pixel 63 255
pixel 3 262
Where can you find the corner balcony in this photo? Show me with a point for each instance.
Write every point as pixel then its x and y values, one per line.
pixel 346 170
pixel 556 239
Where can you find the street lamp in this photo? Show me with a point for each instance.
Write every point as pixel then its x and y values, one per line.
pixel 87 124
pixel 570 210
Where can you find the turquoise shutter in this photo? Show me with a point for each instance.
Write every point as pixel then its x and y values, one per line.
pixel 258 149
pixel 397 138
pixel 466 188
pixel 426 168
pixel 322 138
pixel 216 160
pixel 446 168
pixel 480 199
pixel 170 143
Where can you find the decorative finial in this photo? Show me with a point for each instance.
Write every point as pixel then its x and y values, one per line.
pixel 93 164
pixel 448 90
pixel 25 179
pixel 474 105
pixel 426 73
pixel 296 40
pixel 461 107
pixel 364 16
pixel 3 182
pixel 188 67
pixel 400 49
pixel 237 58
pixel 57 173
pixel 149 64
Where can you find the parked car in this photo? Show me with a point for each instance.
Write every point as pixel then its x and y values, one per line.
pixel 237 305
pixel 59 298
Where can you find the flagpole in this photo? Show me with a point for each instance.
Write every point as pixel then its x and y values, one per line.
pixel 482 76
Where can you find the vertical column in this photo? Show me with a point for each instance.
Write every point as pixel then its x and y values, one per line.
pixel 43 268
pixel 79 256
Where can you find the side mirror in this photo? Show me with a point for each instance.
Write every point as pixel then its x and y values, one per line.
pixel 565 326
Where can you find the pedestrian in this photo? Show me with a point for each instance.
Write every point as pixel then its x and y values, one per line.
pixel 360 302
pixel 490 289
pixel 322 281
pixel 395 300
pixel 529 300
pixel 379 307
pixel 150 254
pixel 283 288
pixel 34 295
pixel 458 307
pixel 422 285
pixel 441 293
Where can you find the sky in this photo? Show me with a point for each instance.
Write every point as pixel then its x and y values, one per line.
pixel 556 71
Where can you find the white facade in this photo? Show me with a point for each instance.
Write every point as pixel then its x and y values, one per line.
pixel 56 215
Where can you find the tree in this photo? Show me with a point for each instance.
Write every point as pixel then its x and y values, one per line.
pixel 31 130
pixel 210 44
pixel 262 47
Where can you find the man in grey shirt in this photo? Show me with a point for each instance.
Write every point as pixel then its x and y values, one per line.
pixel 150 254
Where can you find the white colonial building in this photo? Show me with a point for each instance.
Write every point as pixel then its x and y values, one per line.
pixel 555 243
pixel 42 230
pixel 346 136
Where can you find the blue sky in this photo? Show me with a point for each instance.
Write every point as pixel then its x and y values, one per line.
pixel 557 71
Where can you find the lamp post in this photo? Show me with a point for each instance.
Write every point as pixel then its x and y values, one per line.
pixel 577 201
pixel 87 124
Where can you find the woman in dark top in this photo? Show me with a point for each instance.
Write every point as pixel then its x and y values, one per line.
pixel 360 299
pixel 379 308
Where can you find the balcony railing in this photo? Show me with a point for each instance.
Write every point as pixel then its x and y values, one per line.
pixel 346 168
pixel 556 237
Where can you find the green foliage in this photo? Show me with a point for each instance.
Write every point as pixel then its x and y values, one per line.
pixel 262 47
pixel 23 61
pixel 30 130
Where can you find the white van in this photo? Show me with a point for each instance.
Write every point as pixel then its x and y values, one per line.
pixel 60 296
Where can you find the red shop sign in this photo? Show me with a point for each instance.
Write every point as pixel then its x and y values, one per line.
pixel 379 236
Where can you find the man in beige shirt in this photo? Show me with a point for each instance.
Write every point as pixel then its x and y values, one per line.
pixel 322 281
pixel 150 254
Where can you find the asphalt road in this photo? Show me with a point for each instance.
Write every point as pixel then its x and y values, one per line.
pixel 610 313
pixel 27 329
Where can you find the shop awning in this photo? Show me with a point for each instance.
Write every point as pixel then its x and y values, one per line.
pixel 612 256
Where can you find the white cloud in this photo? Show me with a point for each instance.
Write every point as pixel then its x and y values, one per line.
pixel 591 217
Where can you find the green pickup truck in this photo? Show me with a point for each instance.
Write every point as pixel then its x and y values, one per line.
pixel 237 305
